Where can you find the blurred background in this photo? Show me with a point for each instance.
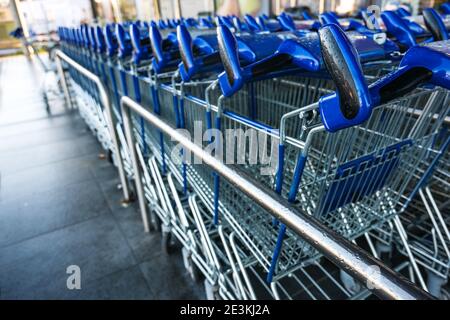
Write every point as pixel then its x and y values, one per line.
pixel 39 18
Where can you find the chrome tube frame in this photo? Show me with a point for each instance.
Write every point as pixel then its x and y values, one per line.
pixel 384 282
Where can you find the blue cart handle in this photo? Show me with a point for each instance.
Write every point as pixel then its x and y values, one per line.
pixel 100 38
pixel 354 100
pixel 252 25
pixel 111 41
pixel 92 39
pixel 123 42
pixel 445 8
pixel 230 58
pixel 85 34
pixel 156 42
pixel 435 24
pixel 428 63
pixel 328 18
pixel 397 27
pixel 286 22
pixel 351 103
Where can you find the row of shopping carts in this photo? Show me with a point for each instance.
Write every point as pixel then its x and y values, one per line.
pixel 344 120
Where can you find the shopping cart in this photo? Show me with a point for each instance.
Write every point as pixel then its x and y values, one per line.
pixel 83 48
pixel 409 33
pixel 335 162
pixel 426 222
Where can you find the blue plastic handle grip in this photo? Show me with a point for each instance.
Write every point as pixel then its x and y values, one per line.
pixel 186 52
pixel 111 43
pixel 435 24
pixel 230 58
pixel 415 70
pixel 205 46
pixel 445 8
pixel 351 103
pixel 398 28
pixel 135 36
pixel 156 42
pixel 79 37
pixel 402 12
pixel 66 34
pixel 85 33
pixel 124 46
pixel 99 37
pixel 248 49
pixel 306 15
pixel 162 24
pixel 203 22
pixel 92 39
pixel 74 36
pixel 286 22
pixel 239 25
pixel 85 38
pixel 226 21
pixel 328 18
pixel 140 51
pixel 252 25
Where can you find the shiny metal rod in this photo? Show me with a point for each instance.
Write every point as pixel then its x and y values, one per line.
pixel 384 282
pixel 106 104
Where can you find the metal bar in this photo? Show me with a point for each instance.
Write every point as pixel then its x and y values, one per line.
pixel 64 83
pixel 355 261
pixel 106 104
pixel 178 11
pixel 116 10
pixel 20 22
pixel 157 9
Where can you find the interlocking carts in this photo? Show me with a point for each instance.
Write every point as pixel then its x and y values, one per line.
pixel 338 150
pixel 351 179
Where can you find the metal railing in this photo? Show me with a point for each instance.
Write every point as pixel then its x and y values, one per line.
pixel 106 105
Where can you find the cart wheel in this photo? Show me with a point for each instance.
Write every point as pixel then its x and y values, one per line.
pixel 110 157
pixel 155 222
pixel 194 271
pixel 166 243
pixel 436 284
pixel 384 252
pixel 47 104
pixel 211 291
pixel 350 283
pixel 190 266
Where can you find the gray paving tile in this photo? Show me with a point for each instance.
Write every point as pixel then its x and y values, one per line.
pixel 104 170
pixel 50 210
pixel 32 139
pixel 38 125
pixel 26 158
pixel 113 193
pixel 126 284
pixel 36 268
pixel 144 245
pixel 59 205
pixel 168 279
pixel 48 177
